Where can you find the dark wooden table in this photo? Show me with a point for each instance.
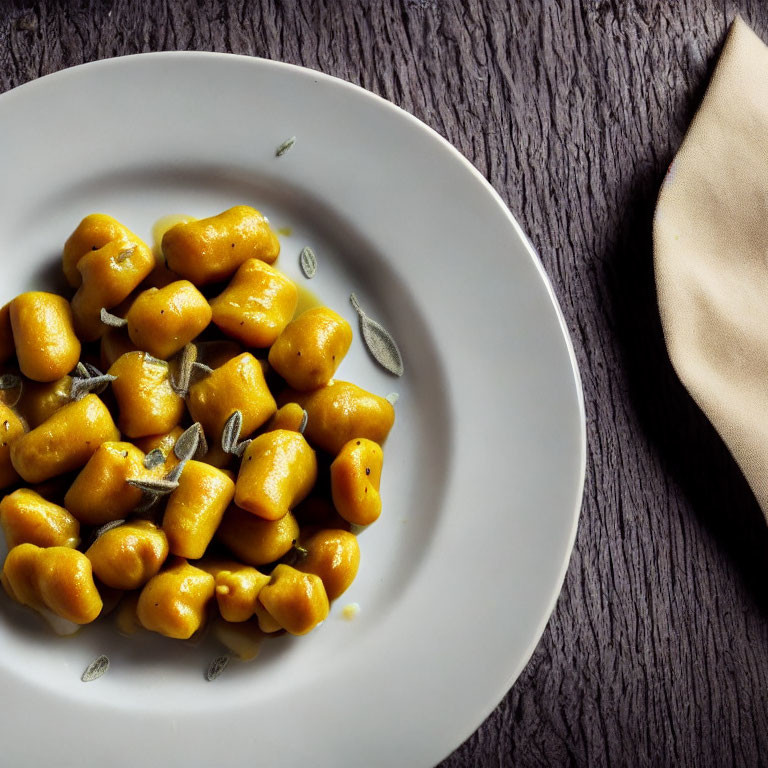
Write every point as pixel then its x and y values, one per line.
pixel 657 652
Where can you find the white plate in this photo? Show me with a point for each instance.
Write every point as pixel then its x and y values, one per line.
pixel 483 471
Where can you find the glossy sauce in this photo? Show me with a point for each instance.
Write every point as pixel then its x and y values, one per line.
pixel 162 225
pixel 307 300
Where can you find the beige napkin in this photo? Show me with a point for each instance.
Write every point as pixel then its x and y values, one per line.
pixel 711 255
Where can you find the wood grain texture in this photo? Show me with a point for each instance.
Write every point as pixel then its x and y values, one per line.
pixel 657 653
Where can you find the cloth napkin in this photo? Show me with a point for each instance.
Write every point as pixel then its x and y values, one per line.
pixel 710 238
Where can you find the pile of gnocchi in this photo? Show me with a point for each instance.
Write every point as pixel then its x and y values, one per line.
pixel 175 449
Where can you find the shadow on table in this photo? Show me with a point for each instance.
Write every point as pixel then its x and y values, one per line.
pixel 690 449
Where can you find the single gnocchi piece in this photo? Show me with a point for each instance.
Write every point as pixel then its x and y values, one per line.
pixel 174 602
pixel 65 441
pixel 257 304
pixel 278 470
pixel 162 320
pixel 334 556
pixel 44 335
pixel 128 556
pixel 11 429
pixel 109 275
pixel 195 508
pixel 238 385
pixel 310 349
pixel 355 479
pixel 254 540
pixel 237 588
pixel 40 400
pixel 57 578
pixel 100 493
pixel 91 234
pixel 290 416
pixel 147 402
pixel 296 601
pixel 341 411
pixel 27 518
pixel 210 250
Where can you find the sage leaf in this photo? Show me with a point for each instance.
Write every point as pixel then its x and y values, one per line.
pixel 154 459
pixel 308 262
pixel 175 473
pixel 95 384
pixel 188 441
pixel 202 368
pixel 217 666
pixel 96 669
pixel 379 341
pixel 239 449
pixel 113 321
pixel 154 360
pixel 180 382
pixel 157 487
pixel 285 146
pixel 91 370
pixel 231 432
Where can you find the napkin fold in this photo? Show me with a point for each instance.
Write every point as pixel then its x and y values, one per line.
pixel 710 237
